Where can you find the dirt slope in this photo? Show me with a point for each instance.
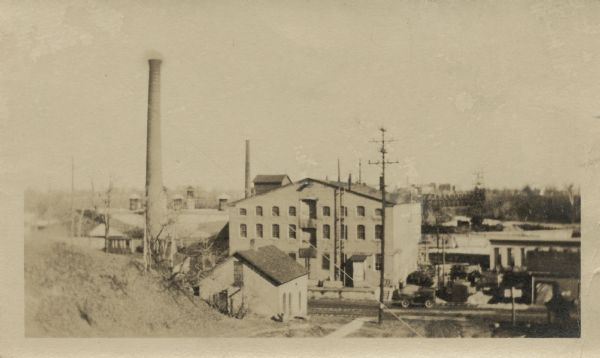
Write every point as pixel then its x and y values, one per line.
pixel 73 291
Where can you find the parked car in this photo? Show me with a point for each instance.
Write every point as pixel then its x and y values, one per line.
pixel 412 295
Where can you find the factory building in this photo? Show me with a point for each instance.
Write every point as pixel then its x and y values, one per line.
pixel 299 218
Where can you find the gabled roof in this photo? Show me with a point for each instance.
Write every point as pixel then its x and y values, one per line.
pixel 271 179
pixel 358 189
pixel 99 231
pixel 273 263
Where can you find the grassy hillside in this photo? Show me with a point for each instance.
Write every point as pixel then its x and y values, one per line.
pixel 76 291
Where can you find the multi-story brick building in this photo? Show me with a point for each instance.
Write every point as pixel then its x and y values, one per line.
pixel 299 218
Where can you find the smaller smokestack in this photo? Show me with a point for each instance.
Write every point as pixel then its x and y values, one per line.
pixel 359 171
pixel 350 181
pixel 247 191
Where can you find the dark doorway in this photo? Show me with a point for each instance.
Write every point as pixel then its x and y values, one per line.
pixel 349 268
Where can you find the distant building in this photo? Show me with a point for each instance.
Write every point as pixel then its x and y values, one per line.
pixel 445 189
pixel 551 258
pixel 298 218
pixel 190 201
pixel 265 183
pixel 265 281
pixel 510 251
pixel 116 242
pixel 134 202
pixel 189 226
pixel 177 202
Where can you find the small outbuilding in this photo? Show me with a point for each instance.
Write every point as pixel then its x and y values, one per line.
pixel 116 242
pixel 265 281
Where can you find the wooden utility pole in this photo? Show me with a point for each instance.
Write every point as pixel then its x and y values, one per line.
pixel 383 163
pixel 107 214
pixel 338 220
pixel 335 234
pixel 512 301
pixel 71 214
pixel 342 232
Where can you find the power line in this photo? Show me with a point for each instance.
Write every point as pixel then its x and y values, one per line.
pixel 383 162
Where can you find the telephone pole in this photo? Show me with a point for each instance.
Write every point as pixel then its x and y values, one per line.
pixel 339 213
pixel 71 208
pixel 383 162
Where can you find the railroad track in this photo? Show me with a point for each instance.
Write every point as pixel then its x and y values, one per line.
pixel 370 309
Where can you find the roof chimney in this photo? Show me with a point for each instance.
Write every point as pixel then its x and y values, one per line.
pixel 247 191
pixel 223 198
pixel 156 200
pixel 350 181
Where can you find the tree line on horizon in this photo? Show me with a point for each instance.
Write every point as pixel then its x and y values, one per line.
pixel 551 205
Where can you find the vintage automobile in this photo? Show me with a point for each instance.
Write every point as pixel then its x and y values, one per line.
pixel 412 295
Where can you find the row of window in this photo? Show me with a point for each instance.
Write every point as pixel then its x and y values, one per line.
pixel 274 231
pixel 360 211
pixel 360 231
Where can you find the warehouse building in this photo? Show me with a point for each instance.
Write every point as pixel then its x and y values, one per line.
pixel 299 218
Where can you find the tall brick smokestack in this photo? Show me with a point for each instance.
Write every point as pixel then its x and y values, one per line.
pixel 155 196
pixel 247 192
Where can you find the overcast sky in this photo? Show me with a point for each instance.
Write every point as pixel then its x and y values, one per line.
pixel 511 88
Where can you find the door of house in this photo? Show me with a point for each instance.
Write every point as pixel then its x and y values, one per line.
pixel 348 274
pixel 284 304
pixel 358 272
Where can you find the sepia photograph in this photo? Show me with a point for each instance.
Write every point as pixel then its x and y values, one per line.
pixel 302 169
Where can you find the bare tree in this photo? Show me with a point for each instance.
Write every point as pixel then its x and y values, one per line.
pixel 156 249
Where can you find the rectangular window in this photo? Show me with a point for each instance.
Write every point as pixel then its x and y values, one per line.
pixel 259 211
pixel 325 262
pixel 275 231
pixel 243 230
pixel 326 231
pixel 238 274
pixel 275 211
pixel 344 231
pixel 360 232
pixel 292 255
pixel 344 211
pixel 511 257
pixel 292 231
pixel 378 262
pixel 242 211
pixel 259 230
pixel 326 211
pixel 292 211
pixel 378 232
pixel 523 263
pixel 360 210
pixel 378 212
